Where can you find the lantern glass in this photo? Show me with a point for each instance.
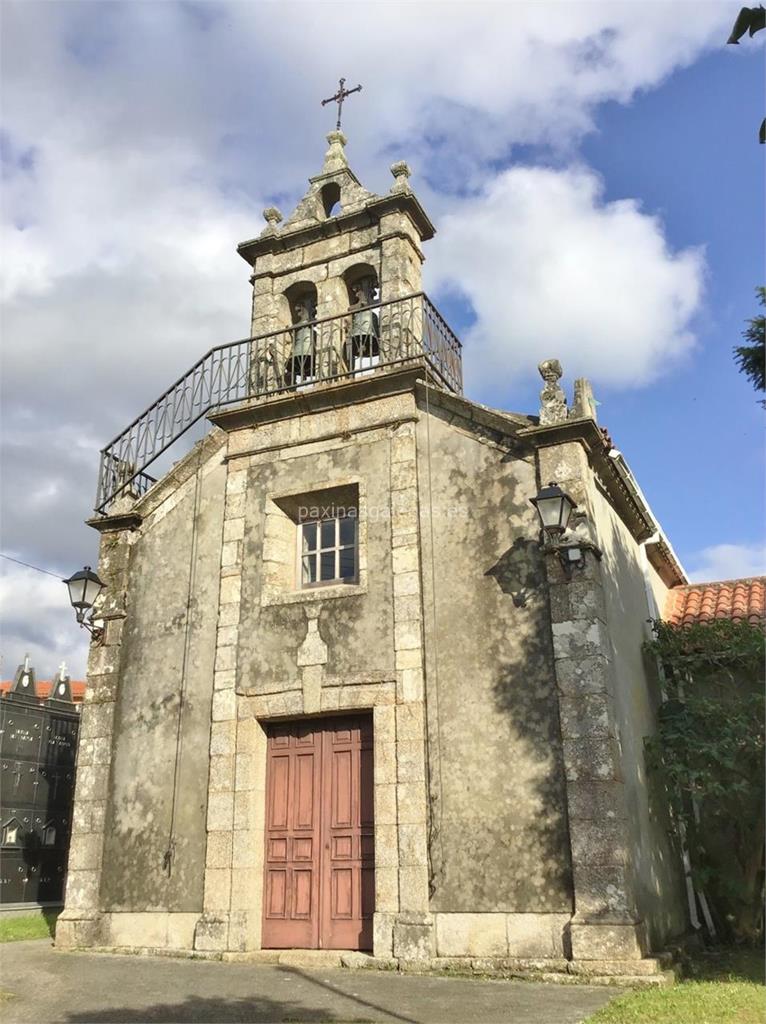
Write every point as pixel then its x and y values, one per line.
pixel 84 587
pixel 554 507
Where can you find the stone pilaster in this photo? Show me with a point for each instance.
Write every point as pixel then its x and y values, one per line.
pixel 605 924
pixel 81 922
pixel 400 275
pixel 212 932
pixel 412 933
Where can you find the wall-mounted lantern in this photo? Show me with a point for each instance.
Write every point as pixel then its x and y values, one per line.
pixel 554 509
pixel 84 587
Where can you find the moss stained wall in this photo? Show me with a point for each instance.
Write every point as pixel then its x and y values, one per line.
pixel 158 629
pixel 358 629
pixel 655 867
pixel 498 835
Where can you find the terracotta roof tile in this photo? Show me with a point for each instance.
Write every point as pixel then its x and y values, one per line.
pixel 739 600
pixel 43 688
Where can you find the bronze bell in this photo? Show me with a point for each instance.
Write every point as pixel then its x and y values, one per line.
pixel 365 324
pixel 301 360
pixel 303 341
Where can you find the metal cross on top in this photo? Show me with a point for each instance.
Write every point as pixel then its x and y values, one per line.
pixel 339 97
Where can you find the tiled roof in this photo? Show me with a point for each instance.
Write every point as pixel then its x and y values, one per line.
pixel 43 688
pixel 739 600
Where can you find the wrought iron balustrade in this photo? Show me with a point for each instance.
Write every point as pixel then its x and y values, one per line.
pixel 355 343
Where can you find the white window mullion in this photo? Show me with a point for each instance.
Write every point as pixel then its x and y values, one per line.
pixel 337 547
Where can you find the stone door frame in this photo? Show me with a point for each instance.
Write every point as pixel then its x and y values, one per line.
pixel 234 869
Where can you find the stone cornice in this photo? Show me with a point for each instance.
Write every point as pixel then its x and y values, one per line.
pixel 353 251
pixel 115 523
pixel 182 471
pixel 631 510
pixel 505 424
pixel 624 496
pixel 333 395
pixel 404 202
pixel 663 561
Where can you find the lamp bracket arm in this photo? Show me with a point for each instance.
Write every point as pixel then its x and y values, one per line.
pixel 550 547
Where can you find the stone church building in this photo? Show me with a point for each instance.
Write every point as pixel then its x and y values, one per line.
pixel 348 696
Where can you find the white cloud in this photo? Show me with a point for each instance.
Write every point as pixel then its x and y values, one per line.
pixel 141 141
pixel 728 562
pixel 552 270
pixel 38 620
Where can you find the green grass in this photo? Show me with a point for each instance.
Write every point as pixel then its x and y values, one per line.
pixel 28 926
pixel 724 986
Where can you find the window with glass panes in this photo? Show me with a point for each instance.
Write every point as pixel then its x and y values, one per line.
pixel 328 550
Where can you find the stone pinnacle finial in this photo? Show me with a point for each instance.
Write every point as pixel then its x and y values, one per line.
pixel 272 216
pixel 553 403
pixel 401 173
pixel 335 157
pixel 584 404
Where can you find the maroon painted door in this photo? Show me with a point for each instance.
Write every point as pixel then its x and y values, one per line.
pixel 319 864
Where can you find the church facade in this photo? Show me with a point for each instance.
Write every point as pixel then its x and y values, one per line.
pixel 347 698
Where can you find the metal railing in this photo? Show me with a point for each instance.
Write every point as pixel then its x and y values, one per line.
pixel 356 343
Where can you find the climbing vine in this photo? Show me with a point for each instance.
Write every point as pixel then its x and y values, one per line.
pixel 708 752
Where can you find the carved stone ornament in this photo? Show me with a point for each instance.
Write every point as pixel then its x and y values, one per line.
pixel 272 216
pixel 553 403
pixel 401 173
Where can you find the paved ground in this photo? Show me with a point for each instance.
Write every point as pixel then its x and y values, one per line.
pixel 50 986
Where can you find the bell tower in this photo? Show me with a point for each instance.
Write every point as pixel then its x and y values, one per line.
pixel 337 286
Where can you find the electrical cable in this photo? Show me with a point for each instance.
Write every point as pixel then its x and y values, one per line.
pixel 36 568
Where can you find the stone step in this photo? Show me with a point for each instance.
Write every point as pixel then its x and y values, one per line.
pixel 648 966
pixel 502 967
pixel 661 980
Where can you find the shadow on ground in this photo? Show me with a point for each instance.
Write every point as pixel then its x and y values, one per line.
pixel 727 964
pixel 255 1010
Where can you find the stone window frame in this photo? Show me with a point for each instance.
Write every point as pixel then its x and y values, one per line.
pixel 280 580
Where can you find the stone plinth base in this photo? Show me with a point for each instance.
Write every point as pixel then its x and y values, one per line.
pixel 651 971
pixel 413 937
pixel 612 953
pixel 525 936
pixel 608 941
pixel 235 932
pixel 81 930
pixel 149 930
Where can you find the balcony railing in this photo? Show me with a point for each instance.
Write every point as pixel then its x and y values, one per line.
pixel 354 344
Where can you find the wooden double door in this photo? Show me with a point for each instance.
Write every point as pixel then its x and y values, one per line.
pixel 319 885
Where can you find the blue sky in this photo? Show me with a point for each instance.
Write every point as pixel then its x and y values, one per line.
pixel 594 177
pixel 689 151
